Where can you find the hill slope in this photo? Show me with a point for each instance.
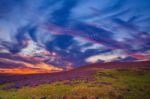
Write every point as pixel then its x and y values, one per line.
pixel 107 81
pixel 80 73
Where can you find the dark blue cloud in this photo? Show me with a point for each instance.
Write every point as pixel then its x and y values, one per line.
pixel 7 6
pixel 61 41
pixel 32 32
pixel 62 15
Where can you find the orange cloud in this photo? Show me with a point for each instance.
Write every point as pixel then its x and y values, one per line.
pixel 27 68
pixel 24 71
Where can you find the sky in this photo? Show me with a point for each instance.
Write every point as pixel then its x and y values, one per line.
pixel 76 32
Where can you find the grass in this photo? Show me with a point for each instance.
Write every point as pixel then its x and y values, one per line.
pixel 105 84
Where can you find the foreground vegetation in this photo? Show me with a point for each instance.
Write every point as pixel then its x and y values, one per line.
pixel 104 84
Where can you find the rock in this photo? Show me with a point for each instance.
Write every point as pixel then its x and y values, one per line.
pixel 43 97
pixel 84 97
pixel 65 97
pixel 97 97
pixel 120 97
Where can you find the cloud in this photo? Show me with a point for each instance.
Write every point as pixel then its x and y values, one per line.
pixel 75 29
pixel 19 66
pixel 107 57
pixel 62 15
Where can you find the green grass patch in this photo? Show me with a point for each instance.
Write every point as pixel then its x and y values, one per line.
pixel 107 84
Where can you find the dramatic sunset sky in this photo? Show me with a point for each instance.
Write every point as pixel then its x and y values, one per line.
pixel 72 33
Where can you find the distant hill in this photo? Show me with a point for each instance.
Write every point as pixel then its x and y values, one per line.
pixel 80 73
